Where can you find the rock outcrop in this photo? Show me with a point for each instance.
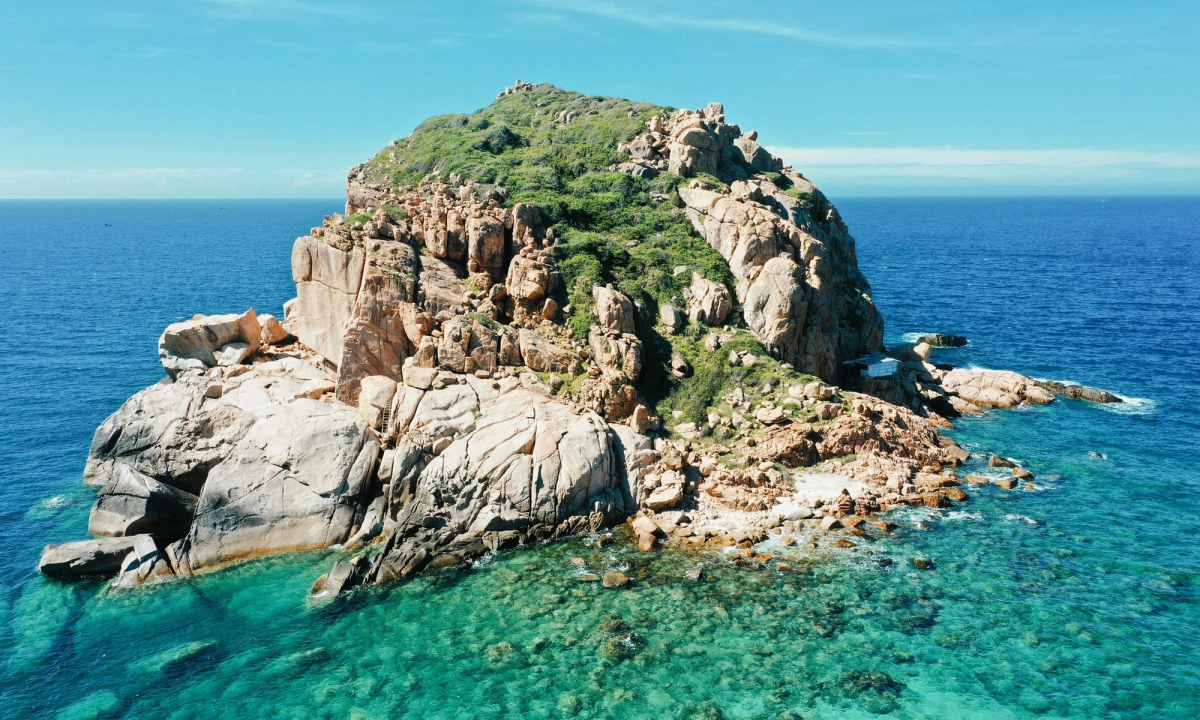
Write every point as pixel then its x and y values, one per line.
pixel 708 302
pixel 102 556
pixel 947 391
pixel 133 503
pixel 527 467
pixel 206 341
pixel 296 481
pixel 812 306
pixel 994 388
pixel 1078 392
pixel 237 462
pixel 172 432
pixel 943 340
pixel 454 377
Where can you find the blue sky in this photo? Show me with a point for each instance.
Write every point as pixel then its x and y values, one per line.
pixel 277 98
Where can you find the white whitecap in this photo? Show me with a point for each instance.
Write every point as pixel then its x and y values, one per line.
pixel 979 368
pixel 1130 406
pixel 962 515
pixel 1022 518
pixel 57 502
pixel 913 514
pixel 484 561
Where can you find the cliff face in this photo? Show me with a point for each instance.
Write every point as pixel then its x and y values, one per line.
pixel 532 202
pixel 535 320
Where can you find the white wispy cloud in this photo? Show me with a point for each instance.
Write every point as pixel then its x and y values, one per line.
pixel 171 183
pixel 949 157
pixel 382 48
pixel 912 168
pixel 246 9
pixel 640 15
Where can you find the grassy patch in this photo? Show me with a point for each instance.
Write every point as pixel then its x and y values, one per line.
pixel 612 227
pixel 484 320
pixel 714 376
pixel 517 141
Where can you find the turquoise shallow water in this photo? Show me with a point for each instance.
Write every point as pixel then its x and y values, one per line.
pixel 1077 600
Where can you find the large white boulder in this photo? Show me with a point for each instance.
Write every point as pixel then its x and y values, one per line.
pixel 208 340
pixel 375 397
pixel 101 556
pixel 271 330
pixel 168 431
pixel 296 481
pixel 274 470
pixel 775 307
pixel 327 284
pixel 528 462
pixel 133 503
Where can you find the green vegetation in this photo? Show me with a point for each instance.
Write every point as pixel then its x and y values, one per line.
pixel 782 182
pixel 483 320
pixel 614 228
pixel 611 227
pixel 517 142
pixel 714 377
pixel 395 212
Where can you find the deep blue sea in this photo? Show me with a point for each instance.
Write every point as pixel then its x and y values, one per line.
pixel 1080 599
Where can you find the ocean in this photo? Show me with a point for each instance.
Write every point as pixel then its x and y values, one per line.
pixel 1079 599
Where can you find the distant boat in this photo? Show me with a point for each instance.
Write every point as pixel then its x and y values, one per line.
pixel 107 224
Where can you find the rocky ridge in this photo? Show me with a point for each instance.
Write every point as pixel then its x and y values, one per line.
pixel 467 367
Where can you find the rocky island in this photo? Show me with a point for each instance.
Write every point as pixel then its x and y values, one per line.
pixel 556 315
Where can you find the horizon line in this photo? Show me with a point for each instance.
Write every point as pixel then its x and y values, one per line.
pixel 342 198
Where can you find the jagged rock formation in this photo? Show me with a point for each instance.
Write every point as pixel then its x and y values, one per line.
pixel 527 467
pixel 233 462
pixel 794 263
pixel 466 368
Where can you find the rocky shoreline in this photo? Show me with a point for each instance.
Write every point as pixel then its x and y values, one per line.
pixel 453 380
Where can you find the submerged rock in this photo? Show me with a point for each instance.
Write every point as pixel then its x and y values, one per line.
pixel 102 556
pixel 615 579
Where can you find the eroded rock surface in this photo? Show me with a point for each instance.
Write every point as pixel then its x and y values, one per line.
pixel 296 481
pixel 814 314
pixel 208 340
pixel 433 390
pixel 102 556
pixel 528 466
pixel 133 503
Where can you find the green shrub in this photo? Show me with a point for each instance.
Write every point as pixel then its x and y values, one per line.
pixel 613 227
